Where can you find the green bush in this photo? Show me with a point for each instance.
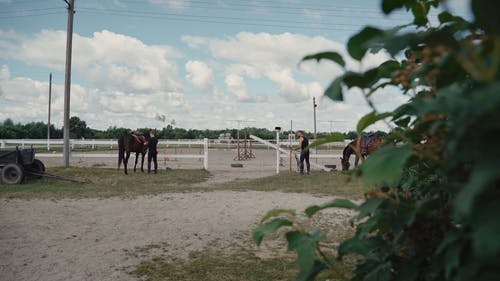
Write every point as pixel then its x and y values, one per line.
pixel 434 187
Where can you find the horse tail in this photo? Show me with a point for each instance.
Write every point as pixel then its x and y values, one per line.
pixel 121 150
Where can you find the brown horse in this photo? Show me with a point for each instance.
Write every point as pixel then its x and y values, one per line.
pixel 361 147
pixel 131 143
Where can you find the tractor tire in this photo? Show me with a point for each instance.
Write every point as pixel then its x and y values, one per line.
pixel 12 174
pixel 37 167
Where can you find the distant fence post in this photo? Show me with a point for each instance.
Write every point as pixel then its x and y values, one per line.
pixel 278 160
pixel 205 153
pixel 2 144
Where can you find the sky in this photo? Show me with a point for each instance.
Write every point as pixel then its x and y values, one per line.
pixel 194 64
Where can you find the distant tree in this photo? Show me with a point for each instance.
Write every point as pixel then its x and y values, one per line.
pixel 78 128
pixel 8 122
pixel 34 130
pixel 115 133
pixel 351 135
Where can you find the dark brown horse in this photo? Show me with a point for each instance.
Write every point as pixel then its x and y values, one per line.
pixel 131 143
pixel 361 147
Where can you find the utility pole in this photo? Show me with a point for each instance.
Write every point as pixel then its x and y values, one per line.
pixel 67 79
pixel 314 110
pixel 48 120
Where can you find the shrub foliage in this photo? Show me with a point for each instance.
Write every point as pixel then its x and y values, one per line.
pixel 434 188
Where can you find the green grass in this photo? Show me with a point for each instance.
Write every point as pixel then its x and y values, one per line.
pixel 106 182
pixel 318 183
pixel 239 265
pixel 216 266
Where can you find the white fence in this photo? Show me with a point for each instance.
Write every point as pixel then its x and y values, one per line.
pixel 23 143
pixel 204 145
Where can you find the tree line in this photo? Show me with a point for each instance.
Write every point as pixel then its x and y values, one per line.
pixel 79 129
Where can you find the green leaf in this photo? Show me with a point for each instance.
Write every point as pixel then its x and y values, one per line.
pixel 387 68
pixel 486 15
pixel 336 203
pixel 486 228
pixel 269 227
pixel 333 56
pixel 369 206
pixel 277 212
pixel 370 119
pixel 305 246
pixel 381 272
pixel 395 43
pixel 403 122
pixel 390 5
pixel 460 23
pixel 358 245
pixel 361 80
pixel 334 91
pixel 483 174
pixel 310 275
pixel 358 44
pixel 386 164
pixel 419 11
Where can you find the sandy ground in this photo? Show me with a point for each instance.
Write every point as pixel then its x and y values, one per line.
pixel 98 239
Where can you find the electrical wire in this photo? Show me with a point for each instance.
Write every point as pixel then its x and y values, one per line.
pixel 29 15
pixel 148 14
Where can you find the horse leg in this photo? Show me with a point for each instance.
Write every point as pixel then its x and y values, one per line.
pixel 125 161
pixel 142 162
pixel 356 160
pixel 136 159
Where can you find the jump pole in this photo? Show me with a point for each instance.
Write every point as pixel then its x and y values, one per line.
pixel 315 165
pixel 278 159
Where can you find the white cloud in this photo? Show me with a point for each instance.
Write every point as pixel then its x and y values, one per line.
pixel 200 75
pixel 122 81
pixel 4 72
pixel 236 86
pixel 107 60
pixel 178 5
pixel 274 58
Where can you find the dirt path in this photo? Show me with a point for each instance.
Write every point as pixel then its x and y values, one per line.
pixel 97 239
pixel 91 239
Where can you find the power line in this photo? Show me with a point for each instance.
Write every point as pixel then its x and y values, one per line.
pixel 264 4
pixel 196 17
pixel 291 11
pixel 226 20
pixel 219 21
pixel 29 10
pixel 30 15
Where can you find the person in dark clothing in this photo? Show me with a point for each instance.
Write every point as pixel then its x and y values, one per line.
pixel 152 151
pixel 304 153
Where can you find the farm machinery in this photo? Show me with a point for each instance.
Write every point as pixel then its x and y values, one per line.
pixel 16 164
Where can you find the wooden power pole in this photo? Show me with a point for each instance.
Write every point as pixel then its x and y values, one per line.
pixel 67 79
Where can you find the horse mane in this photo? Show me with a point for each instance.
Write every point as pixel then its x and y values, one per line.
pixel 349 149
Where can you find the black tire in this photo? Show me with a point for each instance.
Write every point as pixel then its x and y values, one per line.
pixel 12 174
pixel 37 167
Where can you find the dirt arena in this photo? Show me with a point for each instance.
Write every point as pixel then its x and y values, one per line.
pixel 97 239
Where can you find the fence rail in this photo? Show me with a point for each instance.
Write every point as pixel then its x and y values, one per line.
pixel 111 143
pixel 206 144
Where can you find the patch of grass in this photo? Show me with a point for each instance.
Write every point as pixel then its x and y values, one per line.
pixel 104 183
pixel 319 183
pixel 217 266
pixel 240 265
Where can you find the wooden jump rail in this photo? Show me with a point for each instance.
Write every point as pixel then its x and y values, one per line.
pixel 286 153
